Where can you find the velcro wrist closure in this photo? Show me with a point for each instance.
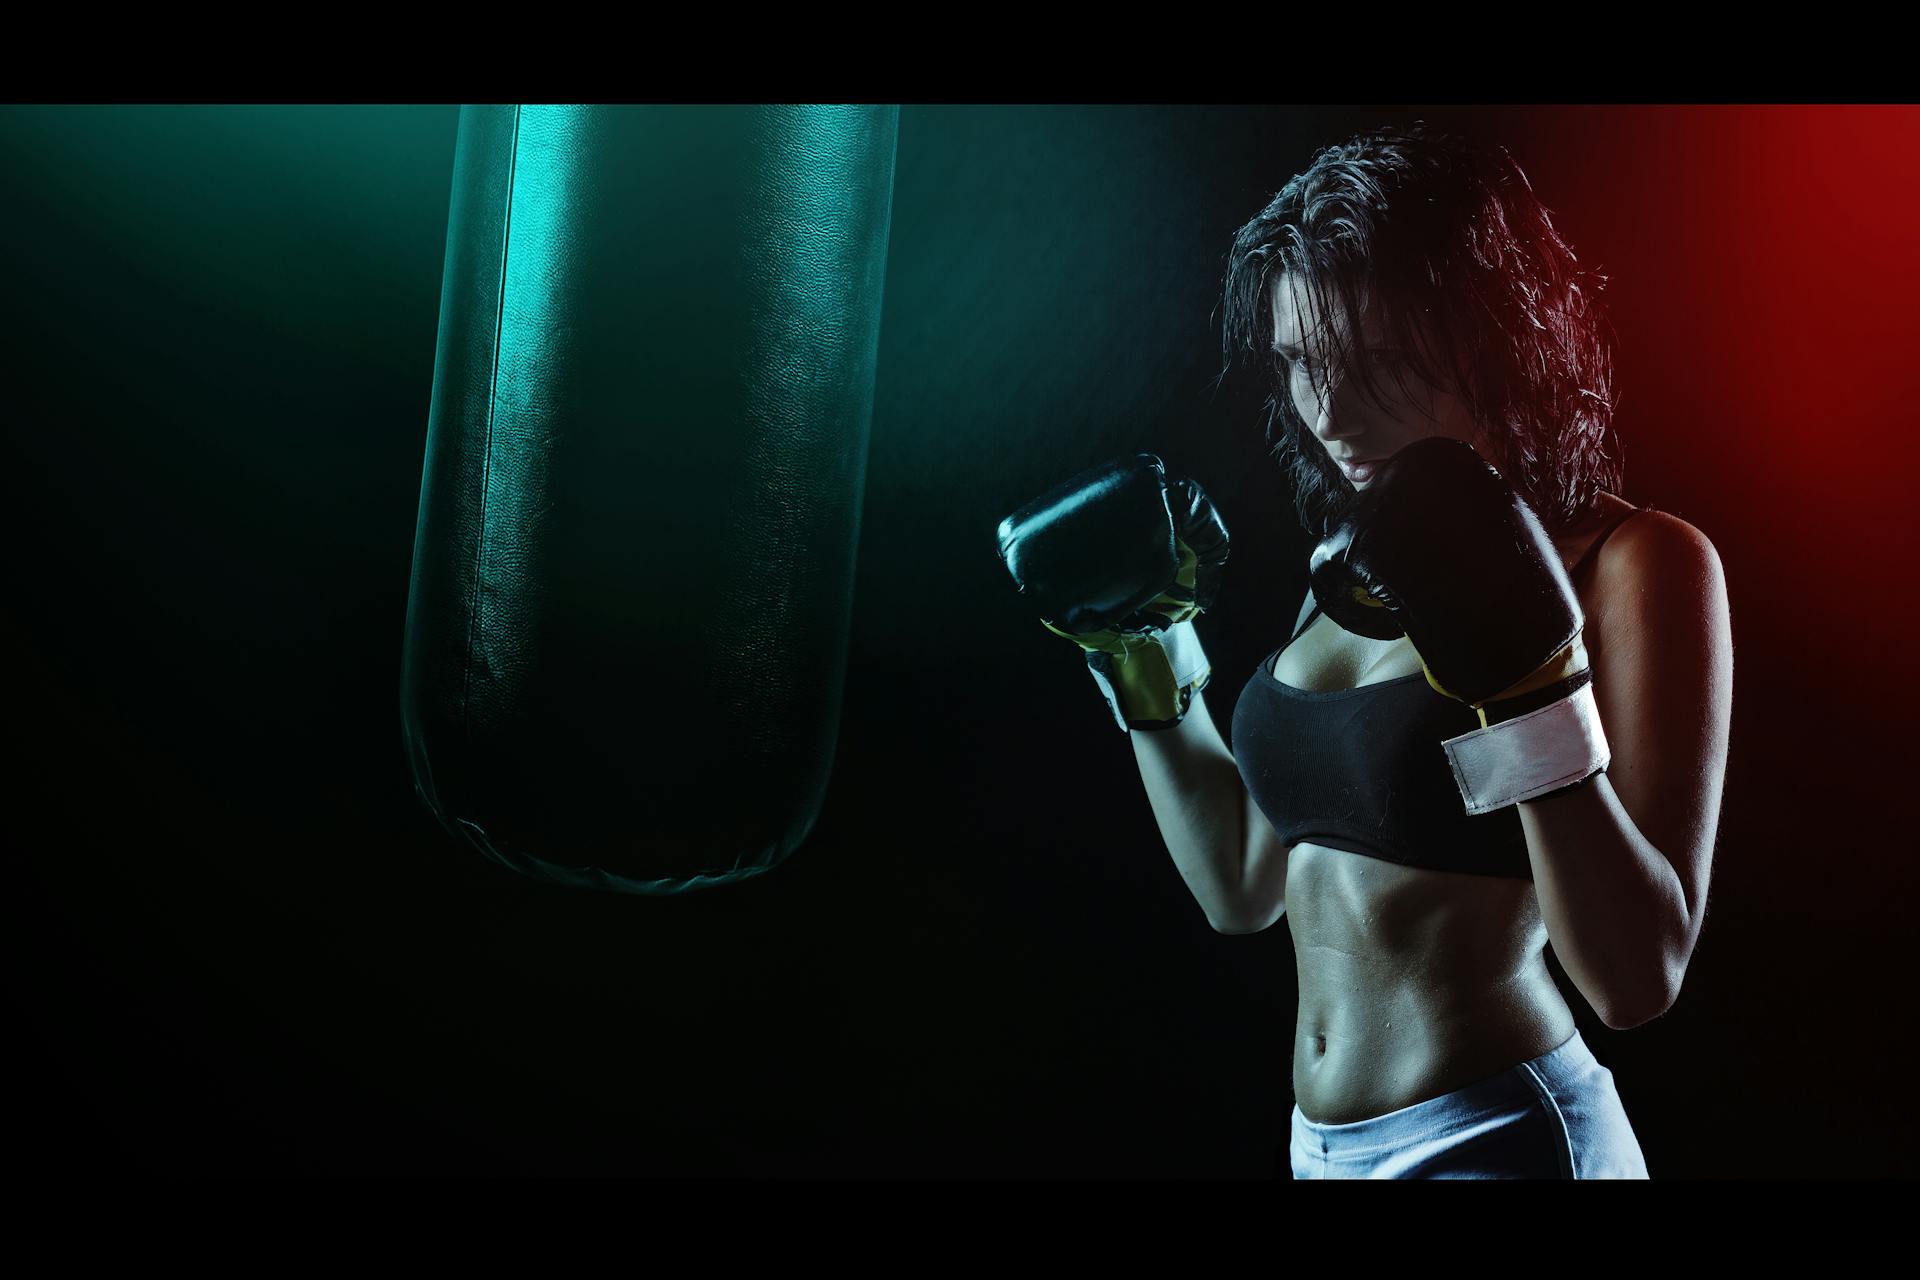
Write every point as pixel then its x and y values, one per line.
pixel 1185 655
pixel 1530 755
pixel 1152 685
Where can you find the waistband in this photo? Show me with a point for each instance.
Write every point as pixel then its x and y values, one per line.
pixel 1563 1065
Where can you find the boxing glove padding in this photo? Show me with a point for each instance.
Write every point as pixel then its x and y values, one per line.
pixel 1121 560
pixel 1094 551
pixel 1441 549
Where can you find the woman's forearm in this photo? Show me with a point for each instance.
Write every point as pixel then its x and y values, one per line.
pixel 1199 802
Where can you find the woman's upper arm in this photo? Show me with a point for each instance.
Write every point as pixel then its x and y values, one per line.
pixel 1263 880
pixel 1662 659
pixel 1263 876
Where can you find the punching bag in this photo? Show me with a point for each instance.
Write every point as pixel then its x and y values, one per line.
pixel 632 576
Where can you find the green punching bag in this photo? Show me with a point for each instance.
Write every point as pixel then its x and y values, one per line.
pixel 632 576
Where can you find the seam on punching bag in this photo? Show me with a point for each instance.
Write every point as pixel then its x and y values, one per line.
pixel 486 452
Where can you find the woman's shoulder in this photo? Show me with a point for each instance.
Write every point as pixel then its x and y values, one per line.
pixel 1650 541
pixel 1620 536
pixel 1654 574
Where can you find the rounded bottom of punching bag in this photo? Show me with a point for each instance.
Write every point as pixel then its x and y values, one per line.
pixel 753 864
pixel 688 833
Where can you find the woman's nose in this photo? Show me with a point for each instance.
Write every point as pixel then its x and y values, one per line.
pixel 1335 419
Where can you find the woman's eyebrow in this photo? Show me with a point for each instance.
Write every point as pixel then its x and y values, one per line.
pixel 1294 348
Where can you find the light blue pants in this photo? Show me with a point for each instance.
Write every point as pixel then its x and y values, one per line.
pixel 1557 1116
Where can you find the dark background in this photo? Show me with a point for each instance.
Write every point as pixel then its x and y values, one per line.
pixel 242 947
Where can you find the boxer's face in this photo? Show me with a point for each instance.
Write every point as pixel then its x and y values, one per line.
pixel 1352 427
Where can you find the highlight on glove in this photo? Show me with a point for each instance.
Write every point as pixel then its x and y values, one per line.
pixel 1120 560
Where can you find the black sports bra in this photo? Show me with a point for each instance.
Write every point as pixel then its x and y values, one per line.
pixel 1362 769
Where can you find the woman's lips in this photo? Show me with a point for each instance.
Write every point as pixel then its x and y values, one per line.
pixel 1359 471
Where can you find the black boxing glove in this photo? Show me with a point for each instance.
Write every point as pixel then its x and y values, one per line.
pixel 1441 549
pixel 1120 560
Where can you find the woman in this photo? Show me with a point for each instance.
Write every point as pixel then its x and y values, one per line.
pixel 1422 319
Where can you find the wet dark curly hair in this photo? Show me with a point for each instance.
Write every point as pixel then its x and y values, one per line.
pixel 1431 224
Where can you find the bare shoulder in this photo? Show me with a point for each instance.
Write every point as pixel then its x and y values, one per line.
pixel 1657 553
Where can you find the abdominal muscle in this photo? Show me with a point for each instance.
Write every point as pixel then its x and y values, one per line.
pixel 1413 983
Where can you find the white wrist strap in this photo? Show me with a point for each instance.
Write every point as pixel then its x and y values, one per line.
pixel 1526 757
pixel 1185 654
pixel 1186 659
